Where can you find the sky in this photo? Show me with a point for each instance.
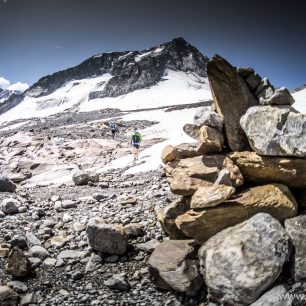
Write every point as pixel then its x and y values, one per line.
pixel 39 37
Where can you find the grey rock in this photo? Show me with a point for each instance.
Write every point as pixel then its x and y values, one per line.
pixel 10 206
pixel 264 84
pixel 49 223
pixel 34 262
pixel 18 286
pixel 8 297
pixel 99 196
pixel 32 239
pixel 265 94
pixel 93 263
pixel 224 178
pixel 6 185
pixel 207 116
pixel 68 204
pixel 148 246
pixel 29 299
pixel 173 265
pixel 191 130
pixel 106 238
pixel 118 282
pixel 275 130
pixel 255 250
pixel 296 228
pixel 232 98
pixel 19 241
pixel 282 96
pixel 39 252
pixel 80 178
pixel 76 275
pixel 71 254
pixel 51 262
pixel 277 296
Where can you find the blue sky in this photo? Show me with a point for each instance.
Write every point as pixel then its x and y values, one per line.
pixel 39 37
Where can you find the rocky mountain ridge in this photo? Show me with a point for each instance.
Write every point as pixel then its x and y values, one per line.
pixel 128 71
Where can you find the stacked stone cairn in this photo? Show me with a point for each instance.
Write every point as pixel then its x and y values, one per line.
pixel 235 232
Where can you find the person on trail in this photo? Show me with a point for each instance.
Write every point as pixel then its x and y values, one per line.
pixel 114 129
pixel 136 139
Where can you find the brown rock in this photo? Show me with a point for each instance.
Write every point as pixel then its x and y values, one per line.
pixel 8 297
pixel 168 154
pixel 187 175
pixel 211 196
pixel 275 199
pixel 167 216
pixel 265 169
pixel 173 265
pixel 211 140
pixel 232 98
pixel 18 264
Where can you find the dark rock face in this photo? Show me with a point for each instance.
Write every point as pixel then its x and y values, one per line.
pixel 232 99
pixel 130 70
pixel 6 185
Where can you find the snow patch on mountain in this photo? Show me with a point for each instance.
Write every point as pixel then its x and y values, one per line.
pixel 176 88
pixel 300 100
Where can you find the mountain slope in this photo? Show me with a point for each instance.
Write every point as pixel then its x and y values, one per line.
pixel 114 76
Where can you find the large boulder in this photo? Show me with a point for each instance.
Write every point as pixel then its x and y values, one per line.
pixel 18 264
pixel 6 185
pixel 210 140
pixel 207 116
pixel 166 216
pixel 264 169
pixel 275 130
pixel 8 297
pixel 173 266
pixel 106 238
pixel 232 98
pixel 275 199
pixel 187 175
pixel 211 196
pixel 296 228
pixel 241 262
pixel 281 96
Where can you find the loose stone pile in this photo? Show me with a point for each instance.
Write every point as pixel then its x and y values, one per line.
pixel 236 221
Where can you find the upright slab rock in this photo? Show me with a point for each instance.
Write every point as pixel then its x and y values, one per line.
pixel 232 99
pixel 173 265
pixel 264 169
pixel 106 238
pixel 275 130
pixel 296 228
pixel 18 264
pixel 275 199
pixel 241 262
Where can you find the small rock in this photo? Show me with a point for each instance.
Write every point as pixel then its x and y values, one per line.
pixel 99 196
pixel 68 204
pixel 149 246
pixel 76 275
pixel 134 229
pixel 282 96
pixel 118 282
pixel 39 252
pixel 51 262
pixel 10 206
pixel 80 178
pixel 19 241
pixel 18 286
pixel 32 239
pixel 29 299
